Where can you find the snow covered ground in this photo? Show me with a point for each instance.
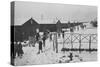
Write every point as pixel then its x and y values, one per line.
pixel 49 56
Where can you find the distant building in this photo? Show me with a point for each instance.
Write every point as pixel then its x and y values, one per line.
pixel 27 29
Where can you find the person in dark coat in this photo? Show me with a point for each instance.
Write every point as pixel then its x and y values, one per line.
pixel 63 34
pixel 37 36
pixel 20 51
pixel 15 49
pixel 44 38
pixel 40 47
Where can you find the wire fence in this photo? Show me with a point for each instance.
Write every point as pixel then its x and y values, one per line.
pixel 87 40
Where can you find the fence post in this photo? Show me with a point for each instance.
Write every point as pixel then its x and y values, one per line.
pixel 80 43
pixel 53 45
pixel 53 41
pixel 71 41
pixel 63 40
pixel 56 44
pixel 90 43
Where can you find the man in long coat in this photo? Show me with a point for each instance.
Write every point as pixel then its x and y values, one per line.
pixel 40 46
pixel 20 51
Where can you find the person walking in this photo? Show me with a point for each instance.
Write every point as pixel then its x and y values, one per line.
pixel 44 38
pixel 40 46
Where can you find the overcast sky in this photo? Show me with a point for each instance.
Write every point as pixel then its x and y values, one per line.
pixel 25 10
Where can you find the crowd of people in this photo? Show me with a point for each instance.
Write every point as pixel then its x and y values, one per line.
pixel 41 41
pixel 16 49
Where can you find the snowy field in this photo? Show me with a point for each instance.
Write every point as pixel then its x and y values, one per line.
pixel 49 56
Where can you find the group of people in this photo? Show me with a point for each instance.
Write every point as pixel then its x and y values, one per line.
pixel 41 41
pixel 16 49
pixel 82 26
